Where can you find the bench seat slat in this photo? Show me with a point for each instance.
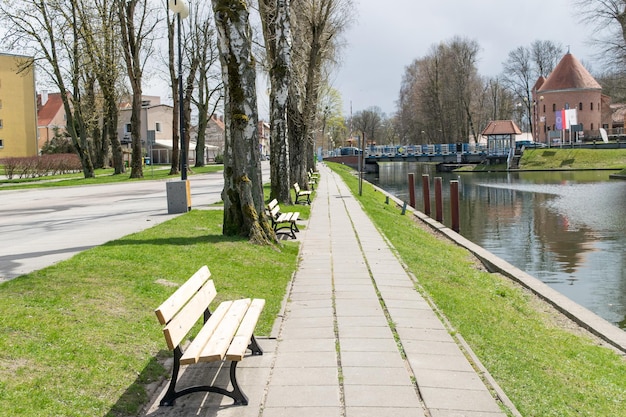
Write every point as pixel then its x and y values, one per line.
pixel 175 302
pixel 239 345
pixel 180 325
pixel 218 345
pixel 192 353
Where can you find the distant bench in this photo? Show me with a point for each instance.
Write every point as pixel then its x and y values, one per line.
pixel 281 221
pixel 225 336
pixel 302 194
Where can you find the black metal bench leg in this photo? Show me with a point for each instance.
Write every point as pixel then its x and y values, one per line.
pixel 236 394
pixel 254 347
pixel 170 395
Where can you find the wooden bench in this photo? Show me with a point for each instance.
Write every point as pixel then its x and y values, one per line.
pixel 301 194
pixel 314 175
pixel 312 181
pixel 225 336
pixel 282 221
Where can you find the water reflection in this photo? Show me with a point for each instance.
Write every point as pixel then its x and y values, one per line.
pixel 566 228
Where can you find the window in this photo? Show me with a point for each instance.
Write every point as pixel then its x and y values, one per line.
pixel 1 143
pixel 553 107
pixel 127 128
pixel 592 126
pixel 544 108
pixel 0 104
pixel 591 106
pixel 1 125
pixel 158 126
pixel 580 106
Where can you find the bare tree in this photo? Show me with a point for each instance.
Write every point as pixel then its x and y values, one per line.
pixel 209 85
pixel 523 68
pixel 438 94
pixel 244 212
pixel 608 18
pixel 275 16
pixel 137 22
pixel 519 76
pixel 545 55
pixel 100 31
pixel 370 123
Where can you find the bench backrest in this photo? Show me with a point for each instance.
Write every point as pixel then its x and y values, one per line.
pixel 273 208
pixel 296 187
pixel 185 307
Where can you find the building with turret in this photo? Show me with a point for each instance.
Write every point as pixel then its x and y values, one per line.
pixel 569 104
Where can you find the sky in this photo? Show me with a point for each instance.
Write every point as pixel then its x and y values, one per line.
pixel 388 35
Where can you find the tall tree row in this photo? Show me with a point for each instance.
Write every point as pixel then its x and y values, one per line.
pixel 243 189
pixel 438 94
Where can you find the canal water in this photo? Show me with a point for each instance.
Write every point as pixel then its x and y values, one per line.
pixel 566 228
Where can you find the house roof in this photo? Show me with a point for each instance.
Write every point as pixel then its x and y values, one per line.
pixel 47 111
pixel 570 74
pixel 540 81
pixel 502 127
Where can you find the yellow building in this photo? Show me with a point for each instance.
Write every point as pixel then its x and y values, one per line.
pixel 18 107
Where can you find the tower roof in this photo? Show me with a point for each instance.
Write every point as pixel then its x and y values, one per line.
pixel 570 74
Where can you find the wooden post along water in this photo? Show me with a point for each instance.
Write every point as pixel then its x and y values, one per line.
pixel 412 190
pixel 426 192
pixel 438 200
pixel 454 205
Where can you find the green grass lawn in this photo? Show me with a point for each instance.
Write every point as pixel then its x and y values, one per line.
pixel 545 368
pixel 80 338
pixel 557 158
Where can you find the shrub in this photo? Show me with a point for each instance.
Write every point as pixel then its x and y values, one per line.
pixel 40 166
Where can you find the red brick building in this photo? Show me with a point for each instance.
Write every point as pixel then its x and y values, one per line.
pixel 569 86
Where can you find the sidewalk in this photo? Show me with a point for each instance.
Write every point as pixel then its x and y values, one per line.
pixel 336 354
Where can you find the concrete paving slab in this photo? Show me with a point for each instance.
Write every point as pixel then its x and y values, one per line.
pixel 452 362
pixel 372 359
pixel 358 375
pixel 381 396
pixel 306 376
pixel 303 396
pixel 383 412
pixel 306 360
pixel 459 400
pixel 368 345
pixel 303 412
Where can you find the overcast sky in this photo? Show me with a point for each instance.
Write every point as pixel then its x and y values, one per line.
pixel 388 35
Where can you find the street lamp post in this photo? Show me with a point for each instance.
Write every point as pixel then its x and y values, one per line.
pixel 181 8
pixel 178 193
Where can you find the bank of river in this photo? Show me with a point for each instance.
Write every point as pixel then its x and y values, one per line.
pixel 567 228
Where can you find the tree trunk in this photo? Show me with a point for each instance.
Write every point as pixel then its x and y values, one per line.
pixel 277 32
pixel 244 212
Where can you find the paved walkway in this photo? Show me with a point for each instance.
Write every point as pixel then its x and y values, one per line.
pixel 337 353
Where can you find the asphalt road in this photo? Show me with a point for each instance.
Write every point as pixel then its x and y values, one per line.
pixel 39 227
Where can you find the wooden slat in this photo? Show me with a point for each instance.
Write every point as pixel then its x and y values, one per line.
pixel 240 343
pixel 176 301
pixel 180 325
pixel 192 352
pixel 218 345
